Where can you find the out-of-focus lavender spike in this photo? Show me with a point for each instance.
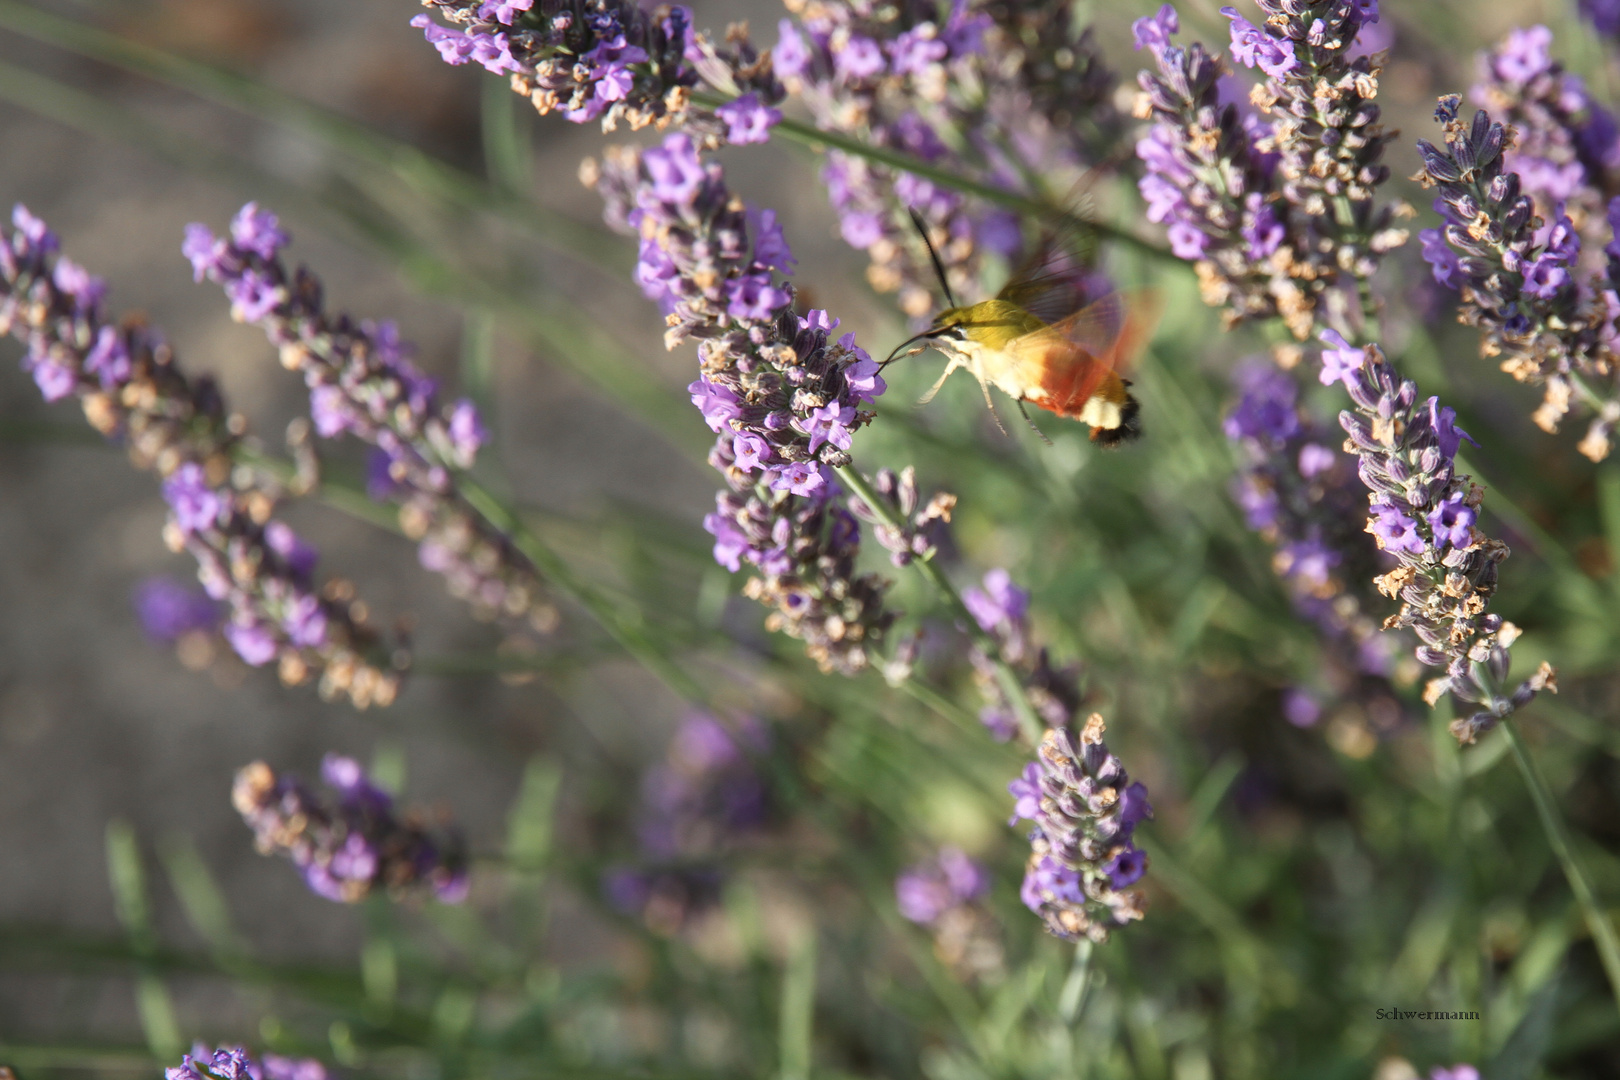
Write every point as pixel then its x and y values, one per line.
pixel 1604 15
pixel 353 843
pixel 783 398
pixel 126 378
pixel 1521 274
pixel 1427 517
pixel 1302 494
pixel 706 796
pixel 362 382
pixel 235 1063
pixel 942 895
pixel 613 61
pixel 1000 608
pixel 1085 810
pixel 1009 91
pixel 1565 142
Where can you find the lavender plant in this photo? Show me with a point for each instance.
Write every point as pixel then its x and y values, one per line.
pixel 783 398
pixel 1427 516
pixel 1277 205
pixel 1303 496
pixel 1011 93
pixel 126 378
pixel 741 906
pixel 351 845
pixel 1511 243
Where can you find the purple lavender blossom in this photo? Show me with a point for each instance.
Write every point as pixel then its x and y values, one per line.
pixel 1424 513
pixel 612 61
pixel 1523 282
pixel 1304 498
pixel 131 388
pixel 350 847
pixel 362 382
pixel 1000 601
pixel 234 1063
pixel 926 892
pixel 169 610
pixel 1253 48
pixel 708 791
pixel 1011 85
pixel 1273 207
pixel 1604 15
pixel 1085 810
pixel 1455 1072
pixel 782 397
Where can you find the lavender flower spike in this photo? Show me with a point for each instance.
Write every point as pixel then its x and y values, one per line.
pixel 348 846
pixel 130 386
pixel 361 381
pixel 612 61
pixel 234 1063
pixel 1007 91
pixel 1299 492
pixel 1209 183
pixel 1082 860
pixel 1427 516
pixel 942 895
pixel 782 397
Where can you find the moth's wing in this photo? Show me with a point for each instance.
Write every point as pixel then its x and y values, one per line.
pixel 1114 329
pixel 1084 355
pixel 1051 282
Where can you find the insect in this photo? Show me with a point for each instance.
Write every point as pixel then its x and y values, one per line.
pixel 1032 343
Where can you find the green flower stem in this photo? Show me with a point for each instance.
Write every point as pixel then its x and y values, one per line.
pixel 1602 927
pixel 1006 677
pixel 1077 987
pixel 810 135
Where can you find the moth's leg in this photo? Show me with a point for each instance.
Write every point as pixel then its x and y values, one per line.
pixel 985 386
pixel 956 362
pixel 1028 420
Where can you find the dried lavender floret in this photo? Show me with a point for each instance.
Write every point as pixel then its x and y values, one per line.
pixel 1085 809
pixel 131 388
pixel 1427 516
pixel 1009 93
pixel 353 844
pixel 1302 494
pixel 613 61
pixel 362 382
pixel 1520 277
pixel 918 538
pixel 783 399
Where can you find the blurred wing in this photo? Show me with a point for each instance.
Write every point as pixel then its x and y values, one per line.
pixel 1114 330
pixel 1050 284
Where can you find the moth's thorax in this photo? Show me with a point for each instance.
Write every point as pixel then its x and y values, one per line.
pixel 993 365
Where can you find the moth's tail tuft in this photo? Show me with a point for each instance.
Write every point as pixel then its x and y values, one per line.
pixel 1129 429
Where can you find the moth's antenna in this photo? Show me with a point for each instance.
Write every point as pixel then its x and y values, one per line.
pixel 939 267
